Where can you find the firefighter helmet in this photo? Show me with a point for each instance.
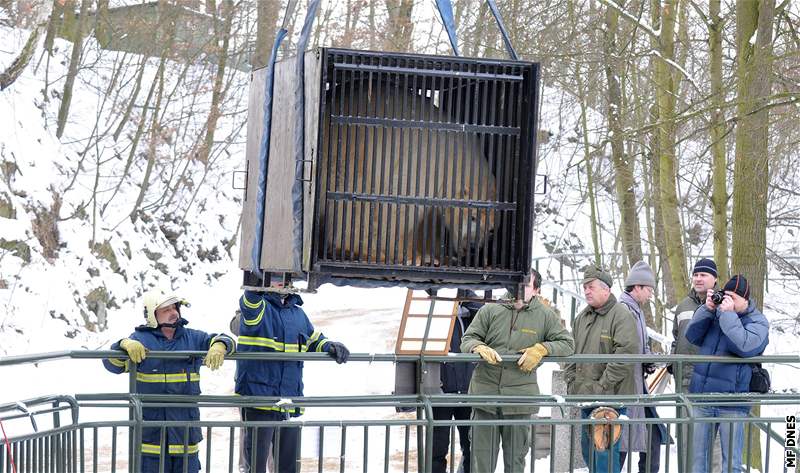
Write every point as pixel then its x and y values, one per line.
pixel 158 299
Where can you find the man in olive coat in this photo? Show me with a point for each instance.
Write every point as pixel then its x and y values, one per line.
pixel 604 327
pixel 512 327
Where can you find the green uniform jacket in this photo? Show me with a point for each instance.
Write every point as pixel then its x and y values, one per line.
pixel 607 330
pixel 680 345
pixel 508 331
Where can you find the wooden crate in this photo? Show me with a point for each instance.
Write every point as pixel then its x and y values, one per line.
pixel 419 170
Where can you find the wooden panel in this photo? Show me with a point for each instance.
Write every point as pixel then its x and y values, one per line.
pixel 410 338
pixel 278 236
pixel 312 85
pixel 276 254
pixel 255 119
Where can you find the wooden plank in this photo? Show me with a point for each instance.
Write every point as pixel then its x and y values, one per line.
pixel 313 85
pixel 276 254
pixel 255 128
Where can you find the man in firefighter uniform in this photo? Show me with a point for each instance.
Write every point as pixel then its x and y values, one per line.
pixel 275 322
pixel 165 330
pixel 525 327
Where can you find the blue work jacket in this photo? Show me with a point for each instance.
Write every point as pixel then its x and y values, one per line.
pixel 169 376
pixel 274 323
pixel 726 334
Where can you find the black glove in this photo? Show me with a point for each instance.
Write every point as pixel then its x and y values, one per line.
pixel 649 368
pixel 338 352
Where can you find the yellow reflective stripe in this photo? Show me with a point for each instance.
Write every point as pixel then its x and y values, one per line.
pixel 321 344
pixel 314 337
pixel 118 363
pixel 166 377
pixel 270 343
pixel 288 410
pixel 257 320
pixel 174 449
pixel 252 305
pixel 277 408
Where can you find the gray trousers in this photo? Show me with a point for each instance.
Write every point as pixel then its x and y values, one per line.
pixel 485 442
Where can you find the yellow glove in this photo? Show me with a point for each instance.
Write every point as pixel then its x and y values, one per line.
pixel 136 351
pixel 216 355
pixel 531 357
pixel 488 353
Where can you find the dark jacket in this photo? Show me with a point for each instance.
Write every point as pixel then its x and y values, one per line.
pixel 272 323
pixel 680 345
pixel 169 376
pixel 455 376
pixel 726 334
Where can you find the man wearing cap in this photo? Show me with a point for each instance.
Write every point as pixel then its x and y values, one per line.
pixel 735 327
pixel 604 326
pixel 530 331
pixel 638 291
pixel 165 330
pixel 704 279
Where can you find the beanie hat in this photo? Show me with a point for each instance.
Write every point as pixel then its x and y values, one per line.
pixel 739 285
pixel 593 272
pixel 641 275
pixel 706 265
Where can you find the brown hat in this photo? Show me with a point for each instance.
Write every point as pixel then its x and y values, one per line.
pixel 593 272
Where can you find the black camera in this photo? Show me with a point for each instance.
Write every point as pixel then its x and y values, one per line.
pixel 717 296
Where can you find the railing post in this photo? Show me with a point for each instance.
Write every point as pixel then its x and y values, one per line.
pixel 681 430
pixel 134 431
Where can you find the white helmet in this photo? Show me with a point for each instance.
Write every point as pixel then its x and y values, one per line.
pixel 158 299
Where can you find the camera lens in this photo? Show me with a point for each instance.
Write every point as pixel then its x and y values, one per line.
pixel 717 297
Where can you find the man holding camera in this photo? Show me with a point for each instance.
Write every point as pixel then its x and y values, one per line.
pixel 728 324
pixel 704 279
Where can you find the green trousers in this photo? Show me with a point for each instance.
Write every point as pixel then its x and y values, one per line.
pixel 485 442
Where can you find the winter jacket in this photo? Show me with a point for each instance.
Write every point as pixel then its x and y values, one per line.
pixel 680 345
pixel 726 334
pixel 169 376
pixel 607 330
pixel 274 323
pixel 508 330
pixel 638 434
pixel 456 376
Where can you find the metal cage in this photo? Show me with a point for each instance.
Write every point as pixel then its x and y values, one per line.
pixel 421 169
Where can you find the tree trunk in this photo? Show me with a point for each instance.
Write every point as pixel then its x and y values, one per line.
pixel 267 19
pixel 8 76
pixel 665 93
pixel 217 93
pixel 587 157
pixel 751 170
pixel 623 169
pixel 74 63
pixel 399 28
pixel 719 167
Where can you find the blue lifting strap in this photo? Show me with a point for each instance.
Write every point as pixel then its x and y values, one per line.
pixel 446 11
pixel 299 136
pixel 511 53
pixel 263 156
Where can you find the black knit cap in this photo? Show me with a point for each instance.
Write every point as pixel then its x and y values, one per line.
pixel 706 265
pixel 739 285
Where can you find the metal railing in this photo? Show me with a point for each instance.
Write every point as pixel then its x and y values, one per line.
pixel 389 443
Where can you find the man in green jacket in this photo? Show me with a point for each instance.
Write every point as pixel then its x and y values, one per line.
pixel 604 327
pixel 512 327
